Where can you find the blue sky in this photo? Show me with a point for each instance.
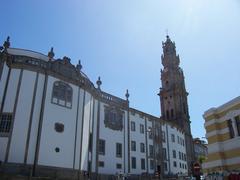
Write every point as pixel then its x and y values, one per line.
pixel 121 41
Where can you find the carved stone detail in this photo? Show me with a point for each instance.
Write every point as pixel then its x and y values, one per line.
pixel 64 70
pixel 59 127
pixel 113 118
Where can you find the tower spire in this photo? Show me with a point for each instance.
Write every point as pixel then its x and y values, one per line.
pixel 173 95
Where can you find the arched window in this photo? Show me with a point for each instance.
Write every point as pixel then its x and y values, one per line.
pixel 62 94
pixel 172 113
pixel 184 108
pixel 167 114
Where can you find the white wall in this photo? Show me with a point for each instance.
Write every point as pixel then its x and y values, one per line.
pixel 149 142
pixel 11 91
pixel 86 125
pixel 79 129
pixel 3 81
pixel 94 145
pixel 35 119
pixel 3 140
pixel 138 138
pixel 177 147
pixel 50 139
pixel 111 137
pixel 22 116
pixel 3 145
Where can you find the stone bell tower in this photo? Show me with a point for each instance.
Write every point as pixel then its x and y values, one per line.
pixel 173 95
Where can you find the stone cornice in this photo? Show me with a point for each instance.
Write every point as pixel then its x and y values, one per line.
pixel 64 70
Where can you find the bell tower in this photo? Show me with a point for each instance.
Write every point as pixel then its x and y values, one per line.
pixel 173 94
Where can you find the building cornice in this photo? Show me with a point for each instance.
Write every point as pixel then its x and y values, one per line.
pixel 63 70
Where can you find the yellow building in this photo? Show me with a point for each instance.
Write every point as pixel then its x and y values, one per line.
pixel 222 126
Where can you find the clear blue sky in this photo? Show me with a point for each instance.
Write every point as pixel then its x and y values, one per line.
pixel 121 41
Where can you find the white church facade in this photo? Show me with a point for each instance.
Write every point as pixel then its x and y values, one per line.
pixel 53 119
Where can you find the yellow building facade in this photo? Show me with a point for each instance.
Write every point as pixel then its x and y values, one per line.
pixel 222 126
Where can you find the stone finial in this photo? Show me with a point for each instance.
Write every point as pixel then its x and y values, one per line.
pixel 6 44
pixel 79 65
pixel 127 95
pixel 51 54
pixel 66 60
pixel 99 82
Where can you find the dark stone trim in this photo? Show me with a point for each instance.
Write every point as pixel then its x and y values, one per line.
pixel 39 131
pixel 14 113
pixel 5 91
pixel 13 170
pixel 154 145
pixel 31 118
pixel 92 133
pixel 97 139
pixel 90 111
pixel 1 65
pixel 146 142
pixel 81 145
pixel 124 143
pixel 65 72
pixel 3 100
pixel 76 128
pixel 161 147
pixel 166 135
pixel 189 151
pixel 128 119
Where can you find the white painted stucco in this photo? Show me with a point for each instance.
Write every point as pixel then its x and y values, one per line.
pixel 3 81
pixel 3 143
pixel 50 139
pixel 21 122
pixel 35 119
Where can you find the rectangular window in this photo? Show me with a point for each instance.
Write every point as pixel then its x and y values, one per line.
pixel 133 145
pixel 62 94
pixel 178 140
pixel 90 166
pixel 174 163
pixel 151 150
pixel 174 154
pixel 101 146
pixel 142 147
pixel 100 163
pixel 133 128
pixel 5 122
pixel 119 166
pixel 133 163
pixel 173 137
pixel 142 164
pixel 118 149
pixel 141 128
pixel 90 142
pixel 230 127
pixel 151 164
pixel 180 156
pixel 164 154
pixel 163 136
pixel 165 166
pixel 237 120
pixel 150 133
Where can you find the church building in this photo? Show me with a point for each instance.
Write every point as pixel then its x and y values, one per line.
pixel 55 122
